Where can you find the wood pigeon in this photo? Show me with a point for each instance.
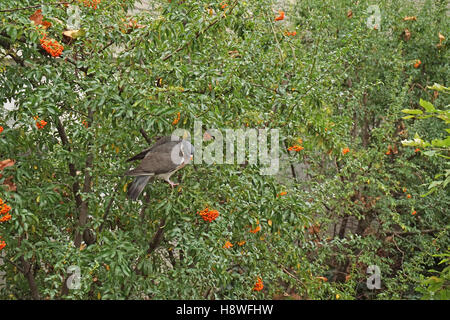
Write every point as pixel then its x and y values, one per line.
pixel 168 155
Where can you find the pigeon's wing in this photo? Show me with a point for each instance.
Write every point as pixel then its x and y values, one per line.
pixel 139 156
pixel 158 143
pixel 155 162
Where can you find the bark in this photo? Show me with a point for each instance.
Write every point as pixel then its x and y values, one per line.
pixel 84 209
pixel 72 169
pixel 28 273
pixel 343 227
pixel 156 240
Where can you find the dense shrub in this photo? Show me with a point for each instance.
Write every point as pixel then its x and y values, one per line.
pixel 330 75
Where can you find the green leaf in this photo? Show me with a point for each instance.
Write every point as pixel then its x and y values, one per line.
pixel 441 142
pixel 427 106
pixel 12 32
pixel 412 111
pixel 435 184
pixel 438 87
pixel 430 153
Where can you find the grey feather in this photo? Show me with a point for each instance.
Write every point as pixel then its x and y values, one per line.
pixel 159 142
pixel 137 186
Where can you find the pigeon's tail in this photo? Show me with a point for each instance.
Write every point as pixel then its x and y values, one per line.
pixel 137 186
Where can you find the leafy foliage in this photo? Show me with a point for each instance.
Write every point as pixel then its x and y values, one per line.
pixel 437 288
pixel 437 147
pixel 348 192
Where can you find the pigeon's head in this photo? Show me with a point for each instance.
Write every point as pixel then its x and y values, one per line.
pixel 182 151
pixel 188 149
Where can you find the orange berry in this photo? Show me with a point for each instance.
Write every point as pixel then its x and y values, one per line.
pixel 176 119
pixel 227 245
pixel 295 148
pixel 208 215
pixel 258 285
pixel 280 16
pixel 258 228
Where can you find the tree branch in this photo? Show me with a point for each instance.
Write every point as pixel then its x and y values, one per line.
pixel 105 215
pixel 410 233
pixel 16 59
pixel 28 273
pixel 145 135
pixel 84 209
pixel 72 169
pixel 156 240
pixel 15 265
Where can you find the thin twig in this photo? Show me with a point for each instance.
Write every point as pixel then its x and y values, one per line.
pixel 276 38
pixel 395 242
pixel 105 215
pixel 145 135
pixel 73 110
pixel 296 278
pixel 15 265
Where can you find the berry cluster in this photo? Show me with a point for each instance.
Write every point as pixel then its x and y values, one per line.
pixel 4 211
pixel 297 147
pixel 40 124
pixel 91 3
pixel 208 215
pixel 258 285
pixel 52 46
